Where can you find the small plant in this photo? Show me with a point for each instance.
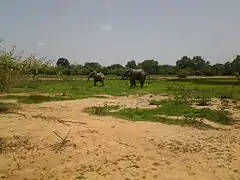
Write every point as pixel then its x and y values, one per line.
pixel 202 101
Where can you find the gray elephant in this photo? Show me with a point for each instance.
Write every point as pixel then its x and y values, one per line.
pixel 136 74
pixel 97 77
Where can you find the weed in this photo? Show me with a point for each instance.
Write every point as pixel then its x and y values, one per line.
pixel 202 101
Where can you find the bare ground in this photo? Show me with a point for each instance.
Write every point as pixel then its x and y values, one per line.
pixel 111 148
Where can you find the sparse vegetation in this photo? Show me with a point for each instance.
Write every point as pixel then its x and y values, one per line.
pixel 168 108
pixel 36 80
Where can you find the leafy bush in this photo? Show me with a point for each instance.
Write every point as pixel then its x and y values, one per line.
pixel 9 70
pixel 183 73
pixel 12 67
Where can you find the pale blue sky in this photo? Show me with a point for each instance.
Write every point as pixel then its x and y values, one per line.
pixel 115 31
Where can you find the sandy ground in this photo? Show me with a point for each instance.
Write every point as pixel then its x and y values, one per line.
pixel 111 148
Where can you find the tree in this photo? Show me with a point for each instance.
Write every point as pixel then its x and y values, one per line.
pixel 209 71
pixel 63 62
pixel 166 70
pixel 198 64
pixel 235 65
pixel 228 68
pixel 150 66
pixel 131 64
pixel 94 66
pixel 219 69
pixel 116 66
pixel 184 62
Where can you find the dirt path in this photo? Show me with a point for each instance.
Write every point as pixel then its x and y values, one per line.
pixel 110 148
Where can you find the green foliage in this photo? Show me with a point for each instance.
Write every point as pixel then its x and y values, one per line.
pixel 12 67
pixel 62 62
pixel 183 73
pixel 9 70
pixel 131 64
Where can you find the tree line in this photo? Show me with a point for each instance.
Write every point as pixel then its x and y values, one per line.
pixel 14 66
pixel 184 67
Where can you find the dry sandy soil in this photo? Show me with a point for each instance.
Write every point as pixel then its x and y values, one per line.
pixel 110 148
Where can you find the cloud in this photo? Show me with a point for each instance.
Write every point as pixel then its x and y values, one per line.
pixel 41 43
pixel 106 27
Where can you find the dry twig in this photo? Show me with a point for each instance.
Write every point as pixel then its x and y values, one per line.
pixel 63 142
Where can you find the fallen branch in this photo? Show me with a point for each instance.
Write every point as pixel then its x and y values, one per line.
pixel 62 122
pixel 75 122
pixel 64 140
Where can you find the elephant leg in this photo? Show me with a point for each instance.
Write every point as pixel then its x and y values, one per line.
pixel 95 82
pixel 142 82
pixel 102 83
pixel 131 83
pixel 134 83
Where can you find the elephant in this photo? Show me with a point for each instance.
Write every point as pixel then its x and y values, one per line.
pixel 136 74
pixel 97 77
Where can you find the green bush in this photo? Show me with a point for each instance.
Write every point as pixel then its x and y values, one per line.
pixel 13 67
pixel 183 73
pixel 9 70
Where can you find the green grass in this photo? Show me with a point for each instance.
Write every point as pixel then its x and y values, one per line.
pixel 200 90
pixel 77 88
pixel 168 108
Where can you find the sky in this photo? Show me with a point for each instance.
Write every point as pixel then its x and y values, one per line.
pixel 116 31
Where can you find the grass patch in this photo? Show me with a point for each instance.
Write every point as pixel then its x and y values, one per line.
pixel 146 115
pixel 168 108
pixel 173 108
pixel 78 87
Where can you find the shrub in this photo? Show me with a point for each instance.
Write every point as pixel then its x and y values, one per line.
pixel 182 73
pixel 13 67
pixel 9 70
